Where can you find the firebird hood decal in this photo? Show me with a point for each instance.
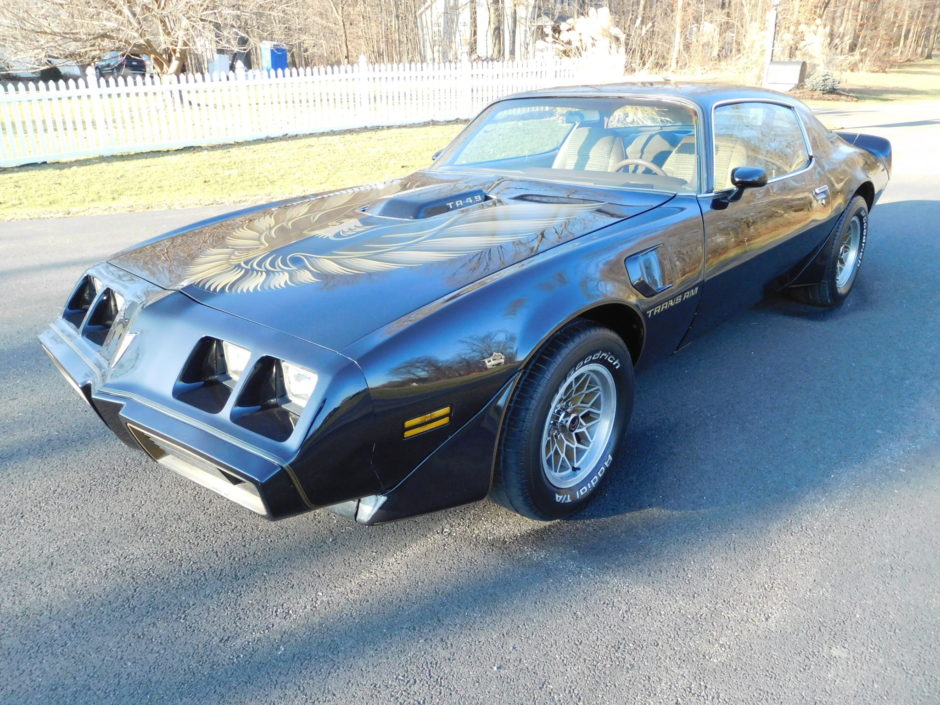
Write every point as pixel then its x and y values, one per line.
pixel 250 260
pixel 332 268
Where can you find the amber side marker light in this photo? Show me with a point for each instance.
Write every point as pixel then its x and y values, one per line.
pixel 420 424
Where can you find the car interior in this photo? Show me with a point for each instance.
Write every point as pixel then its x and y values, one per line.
pixel 612 147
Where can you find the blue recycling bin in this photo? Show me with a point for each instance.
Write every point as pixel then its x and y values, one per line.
pixel 273 56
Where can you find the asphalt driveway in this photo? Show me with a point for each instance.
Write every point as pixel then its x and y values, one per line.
pixel 770 534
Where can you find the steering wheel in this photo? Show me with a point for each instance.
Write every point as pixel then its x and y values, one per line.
pixel 638 162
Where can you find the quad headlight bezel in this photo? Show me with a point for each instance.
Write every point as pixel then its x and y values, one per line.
pixel 270 393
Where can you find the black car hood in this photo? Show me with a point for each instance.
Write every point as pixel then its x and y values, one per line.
pixel 333 267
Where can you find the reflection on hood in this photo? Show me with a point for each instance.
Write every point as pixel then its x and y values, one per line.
pixel 251 258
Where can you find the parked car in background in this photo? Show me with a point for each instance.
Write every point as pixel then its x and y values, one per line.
pixel 471 329
pixel 18 71
pixel 116 64
pixel 47 70
pixel 63 69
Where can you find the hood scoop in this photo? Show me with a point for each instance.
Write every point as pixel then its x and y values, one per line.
pixel 425 203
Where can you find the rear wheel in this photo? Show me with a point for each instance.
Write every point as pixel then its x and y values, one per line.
pixel 844 259
pixel 564 422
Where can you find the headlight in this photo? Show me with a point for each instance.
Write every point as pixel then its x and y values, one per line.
pixel 271 395
pixel 299 383
pixel 236 359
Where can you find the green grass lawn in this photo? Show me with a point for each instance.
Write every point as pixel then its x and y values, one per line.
pixel 241 173
pixel 916 81
pixel 919 80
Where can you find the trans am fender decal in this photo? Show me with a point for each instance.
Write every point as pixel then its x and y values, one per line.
pixel 251 258
pixel 669 303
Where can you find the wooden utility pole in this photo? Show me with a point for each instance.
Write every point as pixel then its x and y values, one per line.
pixel 771 37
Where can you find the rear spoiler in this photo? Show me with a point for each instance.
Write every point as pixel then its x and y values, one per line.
pixel 878 146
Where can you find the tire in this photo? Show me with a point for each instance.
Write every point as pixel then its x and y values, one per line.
pixel 580 357
pixel 843 259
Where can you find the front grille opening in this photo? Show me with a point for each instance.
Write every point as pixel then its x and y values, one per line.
pixel 79 302
pixel 102 317
pixel 200 470
pixel 205 381
pixel 260 406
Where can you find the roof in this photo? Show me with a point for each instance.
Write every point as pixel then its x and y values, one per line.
pixel 703 94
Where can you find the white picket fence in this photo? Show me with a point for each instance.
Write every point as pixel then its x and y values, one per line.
pixel 42 122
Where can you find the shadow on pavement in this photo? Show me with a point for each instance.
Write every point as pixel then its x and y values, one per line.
pixel 911 123
pixel 787 399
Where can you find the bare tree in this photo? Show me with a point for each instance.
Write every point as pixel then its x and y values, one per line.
pixel 661 35
pixel 167 30
pixel 340 10
pixel 691 34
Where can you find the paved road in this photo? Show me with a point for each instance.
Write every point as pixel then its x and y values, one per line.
pixel 770 535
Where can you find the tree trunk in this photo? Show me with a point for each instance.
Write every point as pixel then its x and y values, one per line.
pixel 495 10
pixel 677 37
pixel 639 28
pixel 169 62
pixel 472 49
pixel 931 34
pixel 513 15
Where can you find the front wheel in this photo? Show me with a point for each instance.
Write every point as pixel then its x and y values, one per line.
pixel 564 422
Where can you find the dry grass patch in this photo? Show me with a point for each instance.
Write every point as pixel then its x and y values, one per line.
pixel 251 172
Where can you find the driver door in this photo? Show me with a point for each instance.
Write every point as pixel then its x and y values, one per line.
pixel 752 243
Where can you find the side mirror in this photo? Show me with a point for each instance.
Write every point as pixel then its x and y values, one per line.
pixel 436 155
pixel 742 177
pixel 748 177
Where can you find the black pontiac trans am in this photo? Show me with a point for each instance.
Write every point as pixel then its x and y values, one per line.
pixel 471 329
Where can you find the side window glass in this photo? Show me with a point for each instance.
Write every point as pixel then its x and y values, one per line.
pixel 763 135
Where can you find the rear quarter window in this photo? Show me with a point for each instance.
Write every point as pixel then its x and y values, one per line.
pixel 820 136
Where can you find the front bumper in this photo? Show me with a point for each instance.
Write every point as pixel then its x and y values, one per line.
pixel 225 464
pixel 127 347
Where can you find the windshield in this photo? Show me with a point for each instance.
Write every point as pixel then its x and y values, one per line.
pixel 627 142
